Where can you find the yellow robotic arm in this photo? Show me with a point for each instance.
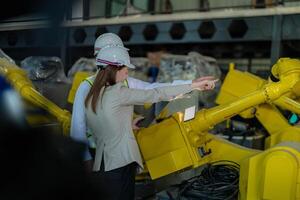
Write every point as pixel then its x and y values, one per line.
pixel 237 84
pixel 18 78
pixel 174 145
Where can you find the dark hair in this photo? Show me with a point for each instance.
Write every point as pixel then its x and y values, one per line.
pixel 105 77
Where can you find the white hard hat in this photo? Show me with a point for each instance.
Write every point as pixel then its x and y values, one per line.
pixel 107 39
pixel 113 55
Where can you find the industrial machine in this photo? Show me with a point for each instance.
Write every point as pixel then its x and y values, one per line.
pixel 18 78
pixel 175 144
pixel 238 84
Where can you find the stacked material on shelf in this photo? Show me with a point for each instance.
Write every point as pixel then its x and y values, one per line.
pixel 189 67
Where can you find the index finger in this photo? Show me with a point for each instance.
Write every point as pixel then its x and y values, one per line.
pixel 205 78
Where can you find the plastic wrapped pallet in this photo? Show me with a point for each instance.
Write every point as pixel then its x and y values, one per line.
pixel 48 76
pixel 41 68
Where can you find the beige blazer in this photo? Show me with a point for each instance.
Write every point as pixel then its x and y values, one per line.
pixel 112 123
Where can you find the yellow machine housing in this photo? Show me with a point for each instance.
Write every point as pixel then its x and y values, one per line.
pixel 272 174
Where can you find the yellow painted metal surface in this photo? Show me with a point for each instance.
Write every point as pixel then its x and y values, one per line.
pixel 174 149
pixel 78 78
pixel 170 148
pixel 288 103
pixel 237 84
pixel 38 119
pixel 273 174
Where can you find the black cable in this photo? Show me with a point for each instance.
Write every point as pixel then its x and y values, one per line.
pixel 217 181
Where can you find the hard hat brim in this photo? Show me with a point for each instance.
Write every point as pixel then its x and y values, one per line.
pixel 96 52
pixel 131 66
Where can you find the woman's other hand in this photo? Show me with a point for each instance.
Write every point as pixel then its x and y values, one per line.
pixel 135 122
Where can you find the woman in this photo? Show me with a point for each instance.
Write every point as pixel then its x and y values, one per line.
pixel 109 110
